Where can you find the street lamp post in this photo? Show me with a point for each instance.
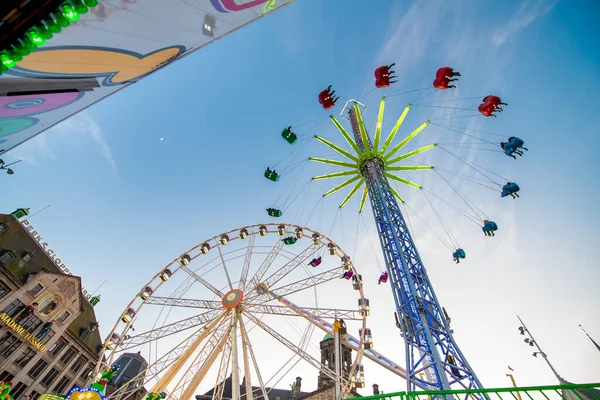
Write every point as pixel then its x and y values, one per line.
pixel 4 166
pixel 533 343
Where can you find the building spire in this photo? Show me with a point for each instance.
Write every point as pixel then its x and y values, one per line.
pixel 593 341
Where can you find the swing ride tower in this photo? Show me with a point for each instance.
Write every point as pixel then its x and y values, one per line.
pixel 433 359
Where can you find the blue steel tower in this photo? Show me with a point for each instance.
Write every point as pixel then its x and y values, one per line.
pixel 433 359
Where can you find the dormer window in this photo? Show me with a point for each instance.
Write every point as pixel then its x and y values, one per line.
pixel 6 256
pixel 3 227
pixel 25 258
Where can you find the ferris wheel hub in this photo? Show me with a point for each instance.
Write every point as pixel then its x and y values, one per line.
pixel 232 299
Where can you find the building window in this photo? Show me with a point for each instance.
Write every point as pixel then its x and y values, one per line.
pixel 8 344
pixel 50 377
pixel 3 227
pixel 34 395
pixel 6 376
pixel 37 289
pixel 25 258
pixel 25 357
pixel 37 369
pixel 58 346
pixel 6 256
pixel 68 356
pixel 18 390
pixel 3 289
pixel 86 371
pixel 65 316
pixel 62 385
pixel 31 324
pixel 78 364
pixel 48 336
pixel 14 308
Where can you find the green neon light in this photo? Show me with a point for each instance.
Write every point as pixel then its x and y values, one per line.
pixel 363 199
pixel 402 180
pixel 333 162
pixel 335 175
pixel 406 140
pixel 412 153
pixel 341 185
pixel 378 126
pixel 346 136
pixel 352 192
pixel 392 134
pixel 336 148
pixel 410 168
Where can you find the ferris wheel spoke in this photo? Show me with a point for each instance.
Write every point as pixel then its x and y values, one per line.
pixel 296 350
pixel 306 283
pixel 185 388
pixel 188 303
pixel 329 313
pixel 225 267
pixel 223 369
pixel 203 282
pixel 247 260
pixel 248 348
pixel 266 264
pixel 168 330
pixel 289 267
pixel 172 360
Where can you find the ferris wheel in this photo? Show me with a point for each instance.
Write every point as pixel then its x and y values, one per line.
pixel 243 306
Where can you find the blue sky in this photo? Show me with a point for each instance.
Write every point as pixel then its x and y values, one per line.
pixel 124 203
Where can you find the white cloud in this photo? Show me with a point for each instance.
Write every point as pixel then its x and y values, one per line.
pixel 529 12
pixel 82 126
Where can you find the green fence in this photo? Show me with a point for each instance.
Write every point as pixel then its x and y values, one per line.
pixel 588 391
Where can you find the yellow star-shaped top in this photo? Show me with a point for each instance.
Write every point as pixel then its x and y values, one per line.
pixel 356 163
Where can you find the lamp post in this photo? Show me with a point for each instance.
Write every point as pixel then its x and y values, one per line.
pixel 533 343
pixel 4 166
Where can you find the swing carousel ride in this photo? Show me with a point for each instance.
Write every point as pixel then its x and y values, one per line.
pixel 227 306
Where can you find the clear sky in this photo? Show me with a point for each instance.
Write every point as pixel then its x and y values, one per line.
pixel 124 203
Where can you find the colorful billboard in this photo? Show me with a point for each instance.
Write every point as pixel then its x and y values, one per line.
pixel 112 46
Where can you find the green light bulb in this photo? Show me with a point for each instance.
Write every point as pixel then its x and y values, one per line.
pixel 91 3
pixel 70 13
pixel 7 61
pixel 36 38
pixel 52 25
pixel 79 6
pixel 60 19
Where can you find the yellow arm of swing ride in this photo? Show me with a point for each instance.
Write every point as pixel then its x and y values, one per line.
pixel 333 162
pixel 363 199
pixel 335 175
pixel 361 126
pixel 336 148
pixel 352 192
pixel 350 141
pixel 397 195
pixel 402 180
pixel 409 168
pixel 378 126
pixel 392 134
pixel 341 185
pixel 412 153
pixel 406 140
